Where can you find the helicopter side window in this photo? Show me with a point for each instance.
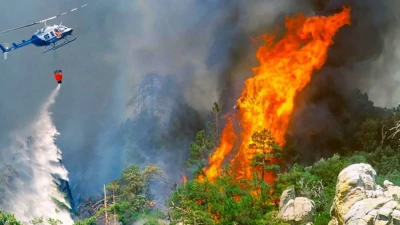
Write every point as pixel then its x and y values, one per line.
pixel 52 34
pixel 46 36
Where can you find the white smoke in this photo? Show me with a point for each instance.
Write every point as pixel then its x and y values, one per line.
pixel 37 160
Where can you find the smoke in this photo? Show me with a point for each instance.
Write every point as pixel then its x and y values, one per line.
pixel 37 161
pixel 364 56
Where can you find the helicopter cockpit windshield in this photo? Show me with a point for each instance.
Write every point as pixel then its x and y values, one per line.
pixel 62 28
pixel 40 31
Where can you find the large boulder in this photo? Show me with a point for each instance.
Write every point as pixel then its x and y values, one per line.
pixel 296 210
pixel 359 200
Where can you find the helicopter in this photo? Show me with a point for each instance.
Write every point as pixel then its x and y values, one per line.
pixel 54 36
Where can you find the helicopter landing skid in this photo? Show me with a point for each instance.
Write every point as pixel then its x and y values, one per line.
pixel 60 45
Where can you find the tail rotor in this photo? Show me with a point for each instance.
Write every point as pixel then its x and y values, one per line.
pixel 4 47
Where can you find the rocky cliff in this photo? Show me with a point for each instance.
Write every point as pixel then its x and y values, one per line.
pixel 359 200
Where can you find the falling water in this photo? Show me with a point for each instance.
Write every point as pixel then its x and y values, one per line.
pixel 38 163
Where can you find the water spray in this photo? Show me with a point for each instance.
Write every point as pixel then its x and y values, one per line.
pixel 38 162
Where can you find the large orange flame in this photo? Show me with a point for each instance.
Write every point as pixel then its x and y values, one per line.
pixel 267 99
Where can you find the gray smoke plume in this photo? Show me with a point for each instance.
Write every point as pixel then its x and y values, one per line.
pixel 37 161
pixel 364 56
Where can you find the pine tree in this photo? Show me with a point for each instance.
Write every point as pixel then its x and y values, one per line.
pixel 216 109
pixel 266 157
pixel 267 151
pixel 105 206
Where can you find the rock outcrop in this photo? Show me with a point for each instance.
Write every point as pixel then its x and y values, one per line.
pixel 298 210
pixel 359 200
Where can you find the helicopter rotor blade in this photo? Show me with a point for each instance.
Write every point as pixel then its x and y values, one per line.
pixel 19 28
pixel 43 21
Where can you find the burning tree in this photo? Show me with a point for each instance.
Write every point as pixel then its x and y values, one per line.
pixel 266 157
pixel 205 142
pixel 266 152
pixel 267 101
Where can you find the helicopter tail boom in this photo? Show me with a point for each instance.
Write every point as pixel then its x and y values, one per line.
pixel 22 44
pixel 14 46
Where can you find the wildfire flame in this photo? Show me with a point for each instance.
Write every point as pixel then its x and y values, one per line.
pixel 267 99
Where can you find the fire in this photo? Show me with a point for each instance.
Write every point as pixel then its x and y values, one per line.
pixel 267 99
pixel 184 179
pixel 228 138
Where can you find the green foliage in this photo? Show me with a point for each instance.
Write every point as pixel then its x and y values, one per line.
pixel 227 200
pixel 151 221
pixel 322 218
pixel 329 169
pixel 52 221
pixel 392 176
pixel 368 135
pixel 37 220
pixel 305 184
pixel 317 182
pixel 266 158
pixel 61 205
pixel 205 142
pixel 41 220
pixel 271 219
pixel 200 148
pixel 133 192
pixel 152 218
pixel 87 221
pixel 268 152
pixel 8 219
pixel 385 159
pixel 291 178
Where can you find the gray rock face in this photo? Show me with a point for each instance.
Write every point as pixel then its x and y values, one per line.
pixel 298 210
pixel 359 200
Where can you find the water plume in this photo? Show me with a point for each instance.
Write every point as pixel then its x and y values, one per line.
pixel 37 160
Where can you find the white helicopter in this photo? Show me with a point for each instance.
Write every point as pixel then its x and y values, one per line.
pixel 47 36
